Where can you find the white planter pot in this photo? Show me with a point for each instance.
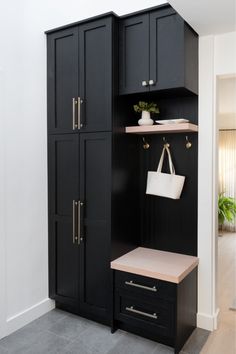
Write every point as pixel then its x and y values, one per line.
pixel 145 119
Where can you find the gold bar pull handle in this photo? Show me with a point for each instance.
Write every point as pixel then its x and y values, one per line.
pixel 75 236
pixel 78 219
pixel 80 236
pixel 79 102
pixel 78 240
pixel 74 122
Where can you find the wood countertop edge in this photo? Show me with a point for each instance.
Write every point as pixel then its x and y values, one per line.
pixel 188 270
pixel 155 275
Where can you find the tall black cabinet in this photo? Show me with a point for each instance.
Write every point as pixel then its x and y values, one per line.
pixel 80 98
pixel 98 210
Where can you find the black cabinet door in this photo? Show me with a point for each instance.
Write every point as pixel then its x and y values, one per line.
pixel 95 193
pixel 63 79
pixel 63 185
pixel 166 50
pixel 95 71
pixel 134 54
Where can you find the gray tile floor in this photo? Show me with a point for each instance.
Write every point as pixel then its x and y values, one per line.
pixel 60 332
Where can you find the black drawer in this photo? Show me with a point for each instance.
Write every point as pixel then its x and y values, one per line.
pixel 140 285
pixel 155 316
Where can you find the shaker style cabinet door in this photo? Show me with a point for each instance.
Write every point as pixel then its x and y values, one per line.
pixel 63 190
pixel 157 51
pixel 95 194
pixel 95 72
pixel 63 81
pixel 134 54
pixel 166 50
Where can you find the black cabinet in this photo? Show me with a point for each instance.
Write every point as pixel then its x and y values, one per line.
pixel 97 203
pixel 80 208
pixel 156 309
pixel 80 78
pixel 63 79
pixel 95 193
pixel 158 51
pixel 80 103
pixel 134 54
pixel 95 72
pixel 63 190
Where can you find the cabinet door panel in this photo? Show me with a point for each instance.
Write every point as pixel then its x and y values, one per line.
pixel 63 173
pixel 63 158
pixel 166 50
pixel 95 53
pixel 134 54
pixel 95 190
pixel 62 79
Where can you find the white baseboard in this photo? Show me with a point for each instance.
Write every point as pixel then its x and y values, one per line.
pixel 207 322
pixel 21 319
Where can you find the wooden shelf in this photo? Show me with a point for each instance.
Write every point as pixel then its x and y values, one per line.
pixel 162 128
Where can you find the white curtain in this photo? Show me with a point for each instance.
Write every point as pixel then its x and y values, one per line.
pixel 227 168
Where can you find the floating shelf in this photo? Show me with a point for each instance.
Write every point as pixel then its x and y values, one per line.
pixel 162 128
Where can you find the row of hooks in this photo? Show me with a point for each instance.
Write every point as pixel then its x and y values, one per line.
pixel 146 145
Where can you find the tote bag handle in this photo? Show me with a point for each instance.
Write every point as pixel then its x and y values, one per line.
pixel 160 165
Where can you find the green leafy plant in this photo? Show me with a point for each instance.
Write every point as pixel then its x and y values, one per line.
pixel 226 209
pixel 145 106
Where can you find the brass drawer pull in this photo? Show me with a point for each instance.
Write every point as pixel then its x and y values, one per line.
pixel 132 309
pixel 131 283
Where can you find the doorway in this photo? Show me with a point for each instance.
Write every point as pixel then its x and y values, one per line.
pixel 226 260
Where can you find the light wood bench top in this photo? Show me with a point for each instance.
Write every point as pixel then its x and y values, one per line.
pixel 168 266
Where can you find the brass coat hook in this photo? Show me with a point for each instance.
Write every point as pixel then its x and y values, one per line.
pixel 166 144
pixel 188 143
pixel 145 144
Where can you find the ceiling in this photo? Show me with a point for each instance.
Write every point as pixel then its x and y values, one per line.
pixel 208 16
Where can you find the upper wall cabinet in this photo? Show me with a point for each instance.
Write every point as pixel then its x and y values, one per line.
pixel 80 78
pixel 134 54
pixel 158 51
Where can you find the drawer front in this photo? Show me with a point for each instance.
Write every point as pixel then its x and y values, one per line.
pixel 155 316
pixel 139 285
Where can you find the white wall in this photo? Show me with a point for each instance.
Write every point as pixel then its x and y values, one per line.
pixel 225 54
pixel 23 154
pixel 217 57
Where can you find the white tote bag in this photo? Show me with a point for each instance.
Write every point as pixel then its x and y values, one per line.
pixel 165 184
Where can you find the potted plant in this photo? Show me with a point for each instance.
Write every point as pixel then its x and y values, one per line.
pixel 226 209
pixel 146 109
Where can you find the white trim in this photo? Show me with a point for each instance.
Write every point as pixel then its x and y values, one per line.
pixel 30 314
pixel 207 322
pixel 215 183
pixel 206 177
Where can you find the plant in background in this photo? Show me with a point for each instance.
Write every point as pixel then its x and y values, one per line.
pixel 226 209
pixel 145 106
